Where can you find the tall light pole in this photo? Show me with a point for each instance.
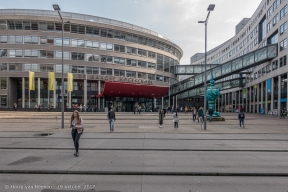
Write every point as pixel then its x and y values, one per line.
pixel 57 8
pixel 210 8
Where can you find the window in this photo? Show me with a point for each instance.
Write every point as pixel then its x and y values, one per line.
pixel 50 54
pixel 268 68
pixel 283 44
pixel 15 40
pixel 106 59
pixel 142 52
pixel 66 55
pixel 77 56
pixel 105 71
pixel 142 75
pixel 262 30
pixel 283 61
pixel 92 44
pixel 78 29
pixel 131 74
pixel 283 12
pixel 275 19
pixel 119 60
pixel 131 62
pixel 43 26
pixel 30 53
pixel 18 25
pixel 77 43
pixel 151 66
pixel 151 54
pixel 275 4
pixel 15 53
pixel 166 64
pixel 119 35
pixel 103 32
pixel 151 77
pixel 119 73
pixel 166 79
pixel 3 66
pixel 46 68
pixel 50 40
pixel 77 69
pixel 159 78
pixel 3 100
pixel 15 66
pixel 92 70
pixel 50 26
pixel 273 38
pixel 92 30
pixel 59 69
pixel 269 12
pixel 66 42
pixel 274 65
pixel 142 64
pixel 92 57
pixel 3 52
pixel 3 83
pixel 160 62
pixel 3 39
pixel 131 50
pixel 119 48
pixel 31 67
pixel 106 46
pixel 283 28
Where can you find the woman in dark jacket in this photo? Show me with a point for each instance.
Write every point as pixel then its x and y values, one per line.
pixel 161 117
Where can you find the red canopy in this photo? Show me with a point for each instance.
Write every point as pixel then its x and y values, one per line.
pixel 119 89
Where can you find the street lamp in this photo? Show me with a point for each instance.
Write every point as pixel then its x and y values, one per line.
pixel 210 8
pixel 57 8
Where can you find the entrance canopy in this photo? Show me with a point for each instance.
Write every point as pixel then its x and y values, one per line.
pixel 119 89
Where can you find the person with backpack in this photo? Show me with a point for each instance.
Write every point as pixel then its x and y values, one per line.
pixel 241 117
pixel 111 118
pixel 175 119
pixel 76 123
pixel 194 113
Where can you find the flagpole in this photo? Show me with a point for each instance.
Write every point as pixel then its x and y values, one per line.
pixel 29 91
pixel 48 88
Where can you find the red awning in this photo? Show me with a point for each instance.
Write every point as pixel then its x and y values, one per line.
pixel 119 89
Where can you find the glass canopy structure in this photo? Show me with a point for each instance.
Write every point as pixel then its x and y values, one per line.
pixel 194 85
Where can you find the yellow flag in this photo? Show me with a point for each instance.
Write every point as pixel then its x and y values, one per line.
pixel 51 80
pixel 70 82
pixel 31 80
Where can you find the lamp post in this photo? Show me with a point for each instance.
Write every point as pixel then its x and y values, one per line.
pixel 57 8
pixel 210 8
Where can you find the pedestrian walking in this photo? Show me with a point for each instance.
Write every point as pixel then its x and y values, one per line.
pixel 15 107
pixel 135 108
pixel 84 107
pixel 76 123
pixel 161 117
pixel 282 113
pixel 81 107
pixel 194 113
pixel 200 114
pixel 241 117
pixel 210 112
pixel 111 118
pixel 186 109
pixel 175 119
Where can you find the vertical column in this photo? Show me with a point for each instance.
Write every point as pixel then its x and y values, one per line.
pixel 257 103
pixel 243 99
pixel 272 95
pixel 99 92
pixel 23 92
pixel 261 92
pixel 287 95
pixel 228 102
pixel 173 104
pixel 39 92
pixel 104 103
pixel 224 102
pixel 176 102
pixel 279 95
pixel 250 103
pixel 239 102
pixel 246 104
pixel 54 95
pixel 162 104
pixel 154 103
pixel 266 97
pixel 218 109
pixel 70 99
pixel 85 91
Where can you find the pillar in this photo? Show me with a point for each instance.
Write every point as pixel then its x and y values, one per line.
pixel 257 103
pixel 173 104
pixel 279 95
pixel 99 92
pixel 250 103
pixel 154 102
pixel 218 109
pixel 162 104
pixel 54 94
pixel 261 92
pixel 23 92
pixel 228 102
pixel 85 92
pixel 287 95
pixel 266 98
pixel 272 95
pixel 225 102
pixel 39 92
pixel 246 104
pixel 69 99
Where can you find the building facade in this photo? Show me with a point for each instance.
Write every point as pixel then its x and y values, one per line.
pixel 266 85
pixel 114 63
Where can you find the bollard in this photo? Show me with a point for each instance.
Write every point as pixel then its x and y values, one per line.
pixel 56 121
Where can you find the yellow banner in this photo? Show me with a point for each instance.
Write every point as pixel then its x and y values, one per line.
pixel 51 81
pixel 31 80
pixel 70 82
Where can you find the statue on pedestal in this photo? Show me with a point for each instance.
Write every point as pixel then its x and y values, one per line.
pixel 212 95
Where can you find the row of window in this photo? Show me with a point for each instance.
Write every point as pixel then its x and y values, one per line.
pixel 163 63
pixel 76 43
pixel 80 70
pixel 89 30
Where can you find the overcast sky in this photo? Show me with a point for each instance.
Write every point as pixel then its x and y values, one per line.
pixel 175 19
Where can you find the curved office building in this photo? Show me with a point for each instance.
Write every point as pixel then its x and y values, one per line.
pixel 113 63
pixel 265 85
